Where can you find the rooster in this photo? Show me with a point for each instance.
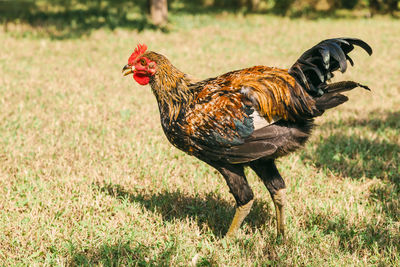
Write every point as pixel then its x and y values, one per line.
pixel 248 117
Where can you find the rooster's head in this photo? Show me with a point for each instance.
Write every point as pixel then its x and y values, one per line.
pixel 140 65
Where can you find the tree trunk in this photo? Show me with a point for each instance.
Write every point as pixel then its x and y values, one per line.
pixel 254 4
pixel 373 7
pixel 159 12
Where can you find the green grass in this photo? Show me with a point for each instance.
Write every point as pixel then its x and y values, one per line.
pixel 87 176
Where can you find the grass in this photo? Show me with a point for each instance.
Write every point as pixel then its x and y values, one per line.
pixel 88 178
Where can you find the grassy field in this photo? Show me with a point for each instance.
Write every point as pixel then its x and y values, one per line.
pixel 87 176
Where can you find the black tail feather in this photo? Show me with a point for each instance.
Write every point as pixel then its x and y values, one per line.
pixel 316 66
pixel 332 97
pixel 328 101
pixel 343 86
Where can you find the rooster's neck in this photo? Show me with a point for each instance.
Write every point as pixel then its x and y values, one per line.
pixel 172 90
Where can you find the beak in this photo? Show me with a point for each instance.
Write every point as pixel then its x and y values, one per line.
pixel 127 69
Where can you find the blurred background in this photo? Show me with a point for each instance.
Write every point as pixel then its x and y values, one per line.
pixel 77 16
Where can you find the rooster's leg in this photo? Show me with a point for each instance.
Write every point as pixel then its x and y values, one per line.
pixel 241 191
pixel 269 174
pixel 279 199
pixel 240 214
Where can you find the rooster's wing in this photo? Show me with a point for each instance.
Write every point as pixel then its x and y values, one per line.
pixel 233 115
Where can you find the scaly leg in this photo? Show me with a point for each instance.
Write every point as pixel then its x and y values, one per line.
pixel 269 174
pixel 240 214
pixel 280 200
pixel 241 191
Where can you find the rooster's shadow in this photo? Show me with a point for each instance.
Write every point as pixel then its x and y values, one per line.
pixel 210 211
pixel 355 157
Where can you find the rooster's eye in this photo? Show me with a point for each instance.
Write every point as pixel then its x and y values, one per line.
pixel 143 62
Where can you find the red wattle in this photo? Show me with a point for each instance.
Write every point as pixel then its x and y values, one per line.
pixel 141 79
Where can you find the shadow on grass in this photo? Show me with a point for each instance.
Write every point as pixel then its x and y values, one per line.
pixel 65 19
pixel 125 254
pixel 210 210
pixel 132 253
pixel 73 20
pixel 356 157
pixel 78 23
pixel 354 238
pixel 374 120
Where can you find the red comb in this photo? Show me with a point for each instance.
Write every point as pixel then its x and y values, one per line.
pixel 139 50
